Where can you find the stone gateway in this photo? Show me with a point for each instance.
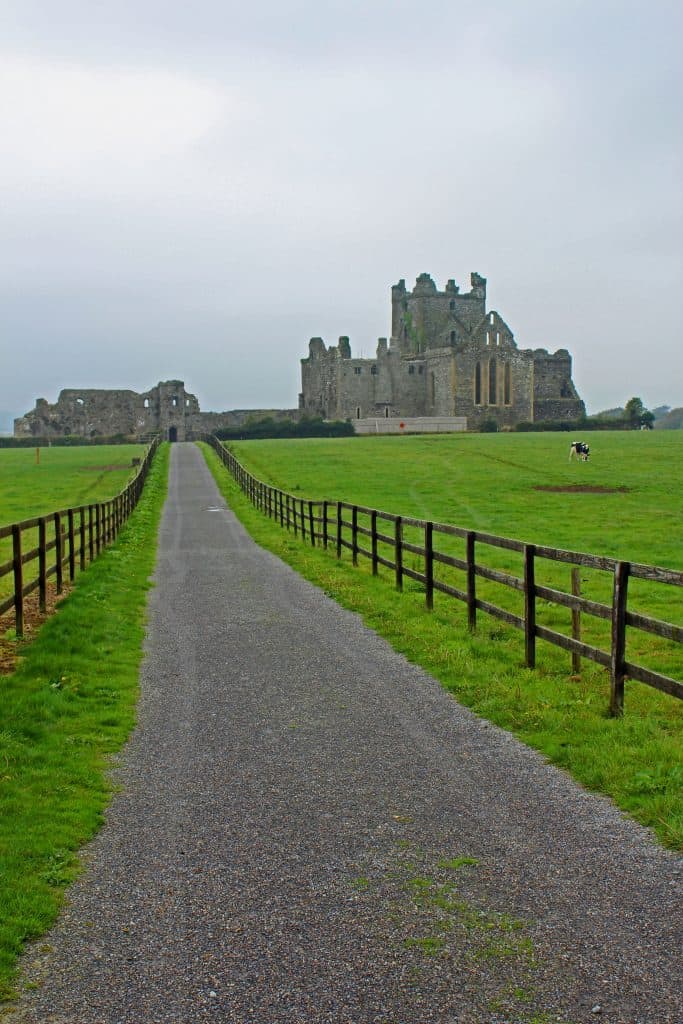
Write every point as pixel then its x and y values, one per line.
pixel 447 357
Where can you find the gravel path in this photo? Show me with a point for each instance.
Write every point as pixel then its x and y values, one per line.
pixel 309 829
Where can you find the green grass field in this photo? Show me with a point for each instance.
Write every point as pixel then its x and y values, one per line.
pixel 496 483
pixel 67 707
pixel 63 478
pixel 489 482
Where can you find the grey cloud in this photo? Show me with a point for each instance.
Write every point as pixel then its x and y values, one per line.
pixel 355 143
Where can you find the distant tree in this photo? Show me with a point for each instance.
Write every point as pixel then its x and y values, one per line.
pixel 609 414
pixel 673 420
pixel 637 415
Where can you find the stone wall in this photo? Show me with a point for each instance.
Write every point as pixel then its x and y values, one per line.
pixel 167 409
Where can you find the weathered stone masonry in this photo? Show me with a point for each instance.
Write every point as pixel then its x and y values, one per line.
pixel 447 356
pixel 167 409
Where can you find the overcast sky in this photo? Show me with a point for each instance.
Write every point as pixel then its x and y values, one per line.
pixel 194 190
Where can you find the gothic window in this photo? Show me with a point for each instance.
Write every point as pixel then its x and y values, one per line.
pixel 507 385
pixel 477 384
pixel 386 412
pixel 174 401
pixel 357 412
pixel 146 403
pixel 432 387
pixel 373 371
pixel 490 318
pixel 493 399
pixel 357 370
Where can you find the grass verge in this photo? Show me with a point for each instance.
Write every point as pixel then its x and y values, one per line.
pixel 68 707
pixel 635 760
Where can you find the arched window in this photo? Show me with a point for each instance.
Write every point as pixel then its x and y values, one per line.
pixel 477 384
pixel 357 412
pixel 507 386
pixel 493 399
pixel 452 336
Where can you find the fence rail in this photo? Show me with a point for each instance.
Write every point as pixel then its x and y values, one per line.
pixel 380 538
pixel 75 535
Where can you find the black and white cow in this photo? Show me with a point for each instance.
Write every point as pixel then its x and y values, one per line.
pixel 580 450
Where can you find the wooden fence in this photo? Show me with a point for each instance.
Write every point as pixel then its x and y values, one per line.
pixel 392 541
pixel 75 536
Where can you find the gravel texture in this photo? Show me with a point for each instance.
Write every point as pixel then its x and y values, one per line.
pixel 309 829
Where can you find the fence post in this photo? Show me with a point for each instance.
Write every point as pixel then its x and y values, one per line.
pixel 303 519
pixel 325 538
pixel 576 619
pixel 98 529
pixel 18 580
pixel 471 581
pixel 339 529
pixel 81 533
pixel 621 573
pixel 429 565
pixel 529 606
pixel 42 564
pixel 354 535
pixel 398 552
pixel 373 538
pixel 91 539
pixel 311 523
pixel 59 552
pixel 72 545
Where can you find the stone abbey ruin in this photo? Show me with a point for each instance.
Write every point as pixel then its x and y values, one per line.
pixel 167 409
pixel 447 357
pixel 448 362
